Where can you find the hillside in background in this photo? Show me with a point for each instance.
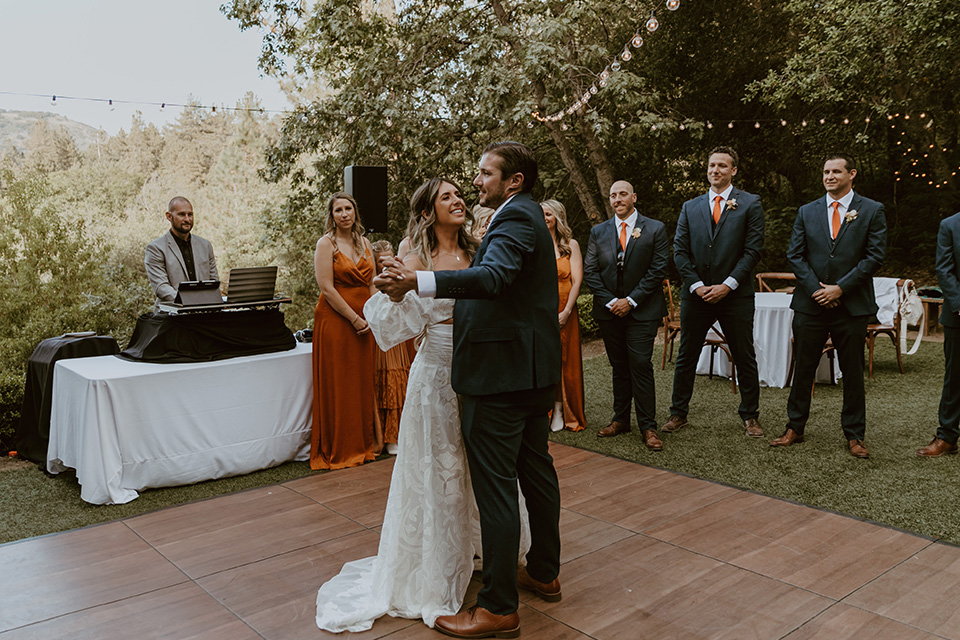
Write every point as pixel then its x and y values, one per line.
pixel 15 128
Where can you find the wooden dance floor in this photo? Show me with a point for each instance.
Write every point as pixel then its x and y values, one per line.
pixel 646 554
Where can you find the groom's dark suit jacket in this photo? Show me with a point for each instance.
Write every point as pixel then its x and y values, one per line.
pixel 849 261
pixel 948 270
pixel 506 334
pixel 732 248
pixel 644 267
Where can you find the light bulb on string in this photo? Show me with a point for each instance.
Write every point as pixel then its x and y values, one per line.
pixel 756 125
pixel 615 66
pixel 388 122
pixel 593 89
pixel 730 126
pixel 54 101
pixel 709 125
pixel 783 123
pixel 529 125
pixel 162 105
pixel 906 116
pixel 652 23
pixel 637 41
pixel 602 83
pixel 803 123
pixel 867 120
pixel 682 127
pixel 350 119
pixel 605 73
pixel 673 5
pixel 626 55
pixel 623 125
pixel 110 104
pixel 846 121
pixel 822 121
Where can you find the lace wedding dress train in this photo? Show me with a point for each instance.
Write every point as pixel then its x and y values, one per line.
pixel 431 530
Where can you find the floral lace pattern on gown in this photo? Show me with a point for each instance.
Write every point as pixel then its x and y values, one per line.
pixel 430 528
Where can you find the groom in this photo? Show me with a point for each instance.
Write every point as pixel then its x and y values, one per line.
pixel 506 363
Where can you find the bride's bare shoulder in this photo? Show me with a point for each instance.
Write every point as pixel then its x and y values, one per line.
pixel 408 256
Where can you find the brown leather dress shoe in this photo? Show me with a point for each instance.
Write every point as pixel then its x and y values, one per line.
pixel 613 429
pixel 479 623
pixel 549 591
pixel 652 440
pixel 937 448
pixel 858 449
pixel 752 427
pixel 788 438
pixel 674 423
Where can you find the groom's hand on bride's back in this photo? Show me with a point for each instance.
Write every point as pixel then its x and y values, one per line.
pixel 395 279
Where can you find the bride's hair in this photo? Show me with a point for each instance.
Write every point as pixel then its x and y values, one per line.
pixel 423 217
pixel 562 232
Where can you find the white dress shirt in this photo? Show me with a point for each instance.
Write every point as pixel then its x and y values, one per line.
pixel 844 206
pixel 631 223
pixel 427 281
pixel 711 197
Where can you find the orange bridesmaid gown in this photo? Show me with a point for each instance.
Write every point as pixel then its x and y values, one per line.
pixel 393 371
pixel 571 361
pixel 345 419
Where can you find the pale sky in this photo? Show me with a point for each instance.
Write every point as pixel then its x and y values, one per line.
pixel 137 50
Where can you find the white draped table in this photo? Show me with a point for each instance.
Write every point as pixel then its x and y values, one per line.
pixel 772 341
pixel 126 426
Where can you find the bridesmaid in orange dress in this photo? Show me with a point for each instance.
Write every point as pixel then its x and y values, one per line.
pixel 393 372
pixel 568 410
pixel 345 423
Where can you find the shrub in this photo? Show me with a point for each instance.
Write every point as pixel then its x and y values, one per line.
pixel 11 400
pixel 588 326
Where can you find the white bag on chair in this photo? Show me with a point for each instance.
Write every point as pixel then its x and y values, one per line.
pixel 912 312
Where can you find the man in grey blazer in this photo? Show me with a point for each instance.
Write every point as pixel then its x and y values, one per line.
pixel 178 256
pixel 839 242
pixel 948 275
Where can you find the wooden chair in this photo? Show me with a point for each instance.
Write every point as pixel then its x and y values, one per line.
pixel 716 340
pixel 671 324
pixel 874 330
pixel 763 281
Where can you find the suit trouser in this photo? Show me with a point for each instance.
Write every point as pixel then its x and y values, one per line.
pixel 810 333
pixel 629 345
pixel 735 315
pixel 949 429
pixel 505 435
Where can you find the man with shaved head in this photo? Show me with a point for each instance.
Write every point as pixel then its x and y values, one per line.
pixel 625 265
pixel 717 246
pixel 178 255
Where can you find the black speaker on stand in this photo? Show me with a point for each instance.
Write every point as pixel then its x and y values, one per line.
pixel 368 186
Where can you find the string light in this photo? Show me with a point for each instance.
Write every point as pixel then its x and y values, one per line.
pixel 652 23
pixel 55 99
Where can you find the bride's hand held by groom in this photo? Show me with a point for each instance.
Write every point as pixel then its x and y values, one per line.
pixel 395 279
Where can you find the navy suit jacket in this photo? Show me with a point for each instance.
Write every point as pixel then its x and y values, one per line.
pixel 850 260
pixel 710 255
pixel 506 331
pixel 644 267
pixel 948 271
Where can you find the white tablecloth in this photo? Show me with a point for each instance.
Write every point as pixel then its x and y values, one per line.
pixel 126 426
pixel 772 334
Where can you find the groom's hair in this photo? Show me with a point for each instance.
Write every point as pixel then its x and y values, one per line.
pixel 848 160
pixel 515 158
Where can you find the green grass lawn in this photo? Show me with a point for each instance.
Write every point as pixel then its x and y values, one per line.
pixel 893 487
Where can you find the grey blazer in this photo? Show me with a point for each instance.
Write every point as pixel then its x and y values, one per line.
pixel 166 269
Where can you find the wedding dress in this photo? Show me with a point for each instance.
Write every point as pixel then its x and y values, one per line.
pixel 431 529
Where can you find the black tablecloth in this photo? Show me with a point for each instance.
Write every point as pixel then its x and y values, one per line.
pixel 33 430
pixel 200 337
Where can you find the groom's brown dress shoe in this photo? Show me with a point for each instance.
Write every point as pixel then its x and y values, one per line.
pixel 613 429
pixel 549 591
pixel 788 438
pixel 652 440
pixel 937 448
pixel 479 623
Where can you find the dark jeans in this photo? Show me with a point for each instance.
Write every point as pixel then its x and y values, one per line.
pixel 505 436
pixel 629 345
pixel 809 335
pixel 736 322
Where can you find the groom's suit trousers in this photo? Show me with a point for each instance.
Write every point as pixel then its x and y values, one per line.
pixel 504 432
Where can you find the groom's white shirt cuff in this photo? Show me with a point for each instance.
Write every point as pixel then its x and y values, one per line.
pixel 426 284
pixel 427 281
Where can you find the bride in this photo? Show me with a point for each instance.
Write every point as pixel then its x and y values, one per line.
pixel 431 532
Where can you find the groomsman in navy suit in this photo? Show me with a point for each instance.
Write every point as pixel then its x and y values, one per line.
pixel 839 242
pixel 625 264
pixel 948 275
pixel 718 243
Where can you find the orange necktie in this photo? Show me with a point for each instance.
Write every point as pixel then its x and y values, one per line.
pixel 716 209
pixel 623 236
pixel 836 219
